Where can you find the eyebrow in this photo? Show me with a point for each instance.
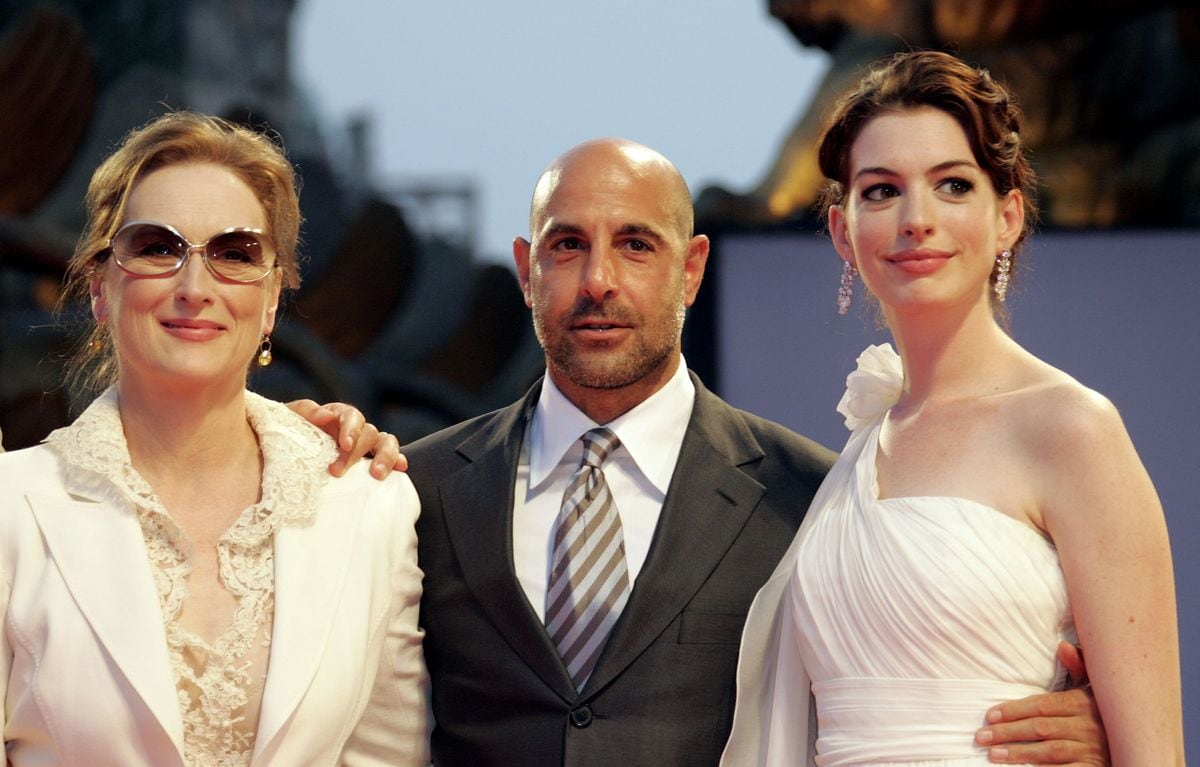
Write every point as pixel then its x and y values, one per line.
pixel 940 167
pixel 557 229
pixel 644 230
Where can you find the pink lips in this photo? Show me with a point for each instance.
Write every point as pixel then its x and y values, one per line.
pixel 919 261
pixel 191 329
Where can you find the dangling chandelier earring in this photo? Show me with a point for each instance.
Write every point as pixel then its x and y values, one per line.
pixel 846 289
pixel 1003 269
pixel 264 352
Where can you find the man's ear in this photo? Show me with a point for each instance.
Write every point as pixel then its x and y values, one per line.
pixel 693 267
pixel 522 252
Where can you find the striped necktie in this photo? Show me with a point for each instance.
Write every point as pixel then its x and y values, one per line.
pixel 589 580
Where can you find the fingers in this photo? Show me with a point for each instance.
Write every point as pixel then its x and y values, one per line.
pixel 354 436
pixel 1071 657
pixel 1049 752
pixel 304 408
pixel 387 456
pixel 358 438
pixel 324 417
pixel 1052 728
pixel 1051 705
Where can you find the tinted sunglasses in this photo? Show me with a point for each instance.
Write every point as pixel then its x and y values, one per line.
pixel 151 249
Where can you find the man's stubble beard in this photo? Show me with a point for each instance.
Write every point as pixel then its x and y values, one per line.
pixel 652 347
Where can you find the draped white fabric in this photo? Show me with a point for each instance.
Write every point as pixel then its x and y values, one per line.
pixel 913 616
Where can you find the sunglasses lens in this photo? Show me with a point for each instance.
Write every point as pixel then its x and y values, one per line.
pixel 148 249
pixel 239 256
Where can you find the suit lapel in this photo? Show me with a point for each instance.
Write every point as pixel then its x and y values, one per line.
pixel 707 504
pixel 311 562
pixel 101 554
pixel 477 505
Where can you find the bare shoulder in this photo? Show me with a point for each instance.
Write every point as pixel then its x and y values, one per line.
pixel 1079 447
pixel 1061 414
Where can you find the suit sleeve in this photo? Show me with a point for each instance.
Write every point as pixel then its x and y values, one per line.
pixel 394 727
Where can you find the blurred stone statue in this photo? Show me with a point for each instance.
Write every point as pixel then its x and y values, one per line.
pixel 1110 89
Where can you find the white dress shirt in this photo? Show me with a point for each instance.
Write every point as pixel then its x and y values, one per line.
pixel 638 474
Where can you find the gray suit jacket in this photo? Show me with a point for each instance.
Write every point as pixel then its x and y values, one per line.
pixel 662 692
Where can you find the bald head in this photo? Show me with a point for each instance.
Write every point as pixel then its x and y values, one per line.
pixel 614 163
pixel 609 269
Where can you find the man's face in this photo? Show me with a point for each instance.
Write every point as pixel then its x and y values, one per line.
pixel 610 270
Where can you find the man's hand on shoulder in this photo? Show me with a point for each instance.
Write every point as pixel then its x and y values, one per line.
pixel 354 436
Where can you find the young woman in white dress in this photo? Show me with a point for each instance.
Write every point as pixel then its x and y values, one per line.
pixel 987 506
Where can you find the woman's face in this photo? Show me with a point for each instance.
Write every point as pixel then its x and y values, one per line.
pixel 921 220
pixel 190 329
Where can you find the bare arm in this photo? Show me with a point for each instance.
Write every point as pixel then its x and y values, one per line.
pixel 1107 523
pixel 355 437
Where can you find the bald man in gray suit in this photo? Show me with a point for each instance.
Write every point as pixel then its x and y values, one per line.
pixel 708 497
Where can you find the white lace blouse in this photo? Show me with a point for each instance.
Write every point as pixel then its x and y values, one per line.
pixel 219 685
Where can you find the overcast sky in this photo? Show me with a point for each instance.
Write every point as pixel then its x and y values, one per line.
pixel 494 90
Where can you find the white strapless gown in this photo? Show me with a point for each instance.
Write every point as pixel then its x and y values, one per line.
pixel 914 616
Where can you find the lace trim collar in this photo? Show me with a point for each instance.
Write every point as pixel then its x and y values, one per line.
pixel 296 456
pixel 219 684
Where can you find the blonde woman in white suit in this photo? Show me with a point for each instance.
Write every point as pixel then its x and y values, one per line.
pixel 182 582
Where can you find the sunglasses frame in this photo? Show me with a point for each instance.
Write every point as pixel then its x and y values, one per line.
pixel 201 248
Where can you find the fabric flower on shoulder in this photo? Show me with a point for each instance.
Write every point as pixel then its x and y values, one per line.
pixel 873 387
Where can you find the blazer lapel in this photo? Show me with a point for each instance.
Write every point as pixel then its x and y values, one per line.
pixel 477 505
pixel 99 550
pixel 311 562
pixel 707 505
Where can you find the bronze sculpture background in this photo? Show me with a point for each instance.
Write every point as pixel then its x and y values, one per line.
pixel 1110 90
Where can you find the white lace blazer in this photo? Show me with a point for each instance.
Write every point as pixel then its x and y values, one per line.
pixel 95 668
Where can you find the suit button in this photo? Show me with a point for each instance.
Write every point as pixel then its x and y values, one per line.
pixel 581 717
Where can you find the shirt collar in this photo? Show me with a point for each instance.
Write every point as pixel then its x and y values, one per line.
pixel 651 433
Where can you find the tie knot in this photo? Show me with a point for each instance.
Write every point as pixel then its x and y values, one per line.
pixel 598 444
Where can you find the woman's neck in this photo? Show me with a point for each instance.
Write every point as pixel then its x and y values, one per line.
pixel 950 355
pixel 199 433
